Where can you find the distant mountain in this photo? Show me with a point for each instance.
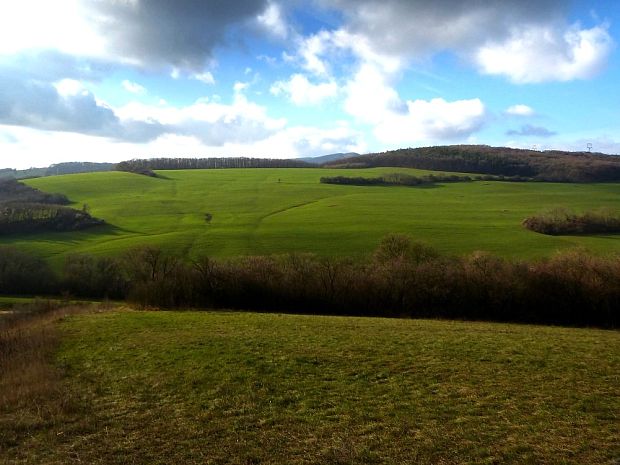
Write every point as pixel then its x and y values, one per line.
pixel 328 158
pixel 550 165
pixel 57 169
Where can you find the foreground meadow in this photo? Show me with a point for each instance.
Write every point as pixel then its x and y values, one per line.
pixel 267 211
pixel 242 388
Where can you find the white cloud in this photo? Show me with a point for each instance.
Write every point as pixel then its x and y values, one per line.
pixel 60 25
pixel 42 148
pixel 540 54
pixel 311 49
pixel 70 88
pixel 272 21
pixel 417 28
pixel 214 123
pixel 239 87
pixel 370 98
pixel 520 110
pixel 302 92
pixel 321 52
pixel 525 40
pixel 205 77
pixel 133 87
pixel 432 120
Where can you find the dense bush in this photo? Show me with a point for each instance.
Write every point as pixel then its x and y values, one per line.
pixel 562 221
pixel 98 277
pixel 402 278
pixel 21 273
pixel 403 179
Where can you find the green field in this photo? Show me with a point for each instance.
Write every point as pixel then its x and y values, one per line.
pixel 266 211
pixel 243 388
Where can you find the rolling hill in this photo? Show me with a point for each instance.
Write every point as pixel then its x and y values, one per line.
pixel 553 166
pixel 56 169
pixel 272 211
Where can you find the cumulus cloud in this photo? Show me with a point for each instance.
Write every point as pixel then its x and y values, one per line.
pixel 42 105
pixel 520 110
pixel 301 91
pixel 542 54
pixel 526 41
pixel 419 27
pixel 213 123
pixel 529 130
pixel 432 120
pixel 182 33
pixel 371 98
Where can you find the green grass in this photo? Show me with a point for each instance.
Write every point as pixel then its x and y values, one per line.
pixel 254 213
pixel 240 388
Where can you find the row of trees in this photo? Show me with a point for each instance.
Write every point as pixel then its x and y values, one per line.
pixel 402 278
pixel 554 166
pixel 143 166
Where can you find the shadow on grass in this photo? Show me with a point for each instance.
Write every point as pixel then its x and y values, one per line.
pixel 64 236
pixel 161 176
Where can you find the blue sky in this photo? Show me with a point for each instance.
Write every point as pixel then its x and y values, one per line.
pixel 108 80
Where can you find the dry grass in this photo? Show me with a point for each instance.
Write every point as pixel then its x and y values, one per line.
pixel 32 397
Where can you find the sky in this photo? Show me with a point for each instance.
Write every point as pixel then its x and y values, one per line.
pixel 111 80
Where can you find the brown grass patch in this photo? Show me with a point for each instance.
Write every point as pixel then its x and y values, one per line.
pixel 32 396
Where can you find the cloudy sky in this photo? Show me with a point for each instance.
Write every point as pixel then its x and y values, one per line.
pixel 108 80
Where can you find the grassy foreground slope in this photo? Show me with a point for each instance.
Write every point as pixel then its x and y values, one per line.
pixel 264 211
pixel 215 388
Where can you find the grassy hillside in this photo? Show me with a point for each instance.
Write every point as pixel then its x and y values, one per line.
pixel 264 211
pixel 239 388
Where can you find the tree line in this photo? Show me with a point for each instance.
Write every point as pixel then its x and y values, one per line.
pixel 24 209
pixel 551 166
pixel 146 166
pixel 401 279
